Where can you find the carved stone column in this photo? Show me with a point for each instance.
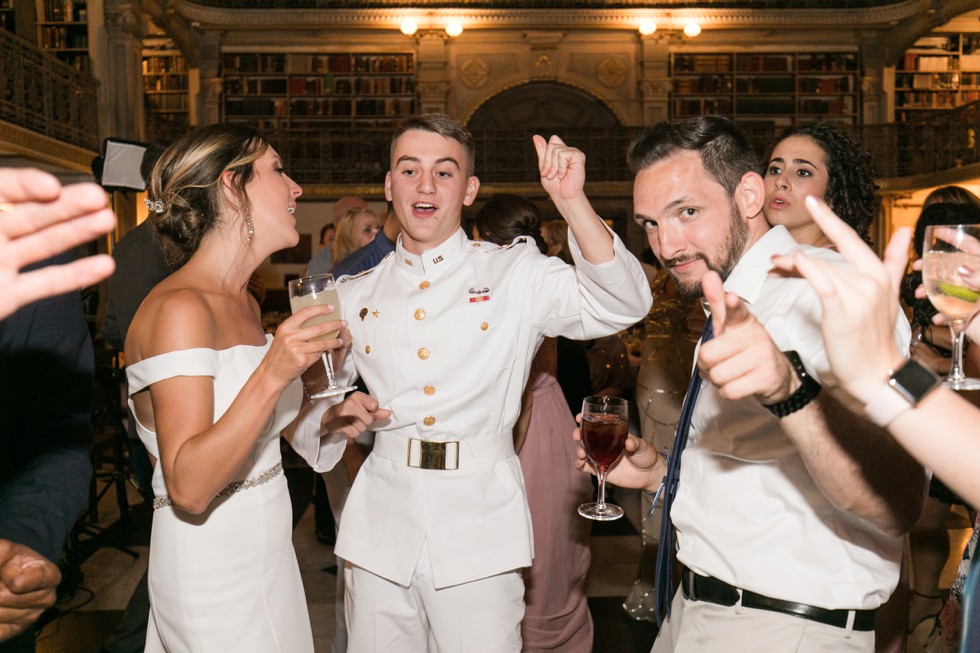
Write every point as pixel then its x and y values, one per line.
pixel 874 96
pixel 432 79
pixel 121 90
pixel 208 100
pixel 655 81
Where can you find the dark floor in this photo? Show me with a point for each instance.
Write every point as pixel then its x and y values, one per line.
pixel 90 606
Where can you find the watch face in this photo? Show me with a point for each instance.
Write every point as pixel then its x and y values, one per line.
pixel 914 380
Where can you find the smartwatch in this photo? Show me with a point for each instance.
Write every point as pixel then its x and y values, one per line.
pixel 905 388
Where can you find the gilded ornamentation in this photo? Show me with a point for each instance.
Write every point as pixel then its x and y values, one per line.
pixel 474 73
pixel 611 71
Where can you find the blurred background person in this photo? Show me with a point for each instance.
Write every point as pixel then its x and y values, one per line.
pixel 556 615
pixel 356 229
pixel 671 332
pixel 324 259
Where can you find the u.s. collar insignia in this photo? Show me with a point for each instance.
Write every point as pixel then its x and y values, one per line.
pixel 362 314
pixel 479 295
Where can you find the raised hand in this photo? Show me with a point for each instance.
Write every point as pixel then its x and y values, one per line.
pixel 38 219
pixel 860 303
pixel 562 169
pixel 741 360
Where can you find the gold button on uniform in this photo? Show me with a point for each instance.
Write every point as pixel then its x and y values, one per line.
pixel 419 314
pixel 484 326
pixel 367 349
pixel 423 285
pixel 423 353
pixel 429 421
pixel 429 390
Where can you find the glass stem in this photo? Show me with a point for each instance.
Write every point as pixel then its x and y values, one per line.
pixel 327 363
pixel 956 369
pixel 601 501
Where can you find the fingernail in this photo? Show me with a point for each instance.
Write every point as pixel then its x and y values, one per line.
pixel 810 201
pixel 964 271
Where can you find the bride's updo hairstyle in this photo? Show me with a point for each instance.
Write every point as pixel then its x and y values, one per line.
pixel 185 196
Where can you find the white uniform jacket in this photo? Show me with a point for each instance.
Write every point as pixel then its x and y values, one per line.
pixel 445 341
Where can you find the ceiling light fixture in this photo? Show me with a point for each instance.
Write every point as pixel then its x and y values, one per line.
pixel 409 27
pixel 648 27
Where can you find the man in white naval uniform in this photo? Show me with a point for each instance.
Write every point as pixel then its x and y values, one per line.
pixel 436 527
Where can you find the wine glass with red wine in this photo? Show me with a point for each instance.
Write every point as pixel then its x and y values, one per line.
pixel 605 424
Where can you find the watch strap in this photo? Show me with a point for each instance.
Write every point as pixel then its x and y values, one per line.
pixel 906 386
pixel 808 390
pixel 885 406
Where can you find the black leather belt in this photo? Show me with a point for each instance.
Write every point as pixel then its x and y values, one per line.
pixel 712 590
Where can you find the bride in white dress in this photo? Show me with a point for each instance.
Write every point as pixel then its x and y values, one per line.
pixel 211 394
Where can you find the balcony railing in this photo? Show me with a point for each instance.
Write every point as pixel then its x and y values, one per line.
pixel 945 142
pixel 545 4
pixel 45 95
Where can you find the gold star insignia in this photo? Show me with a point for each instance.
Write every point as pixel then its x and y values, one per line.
pixel 376 313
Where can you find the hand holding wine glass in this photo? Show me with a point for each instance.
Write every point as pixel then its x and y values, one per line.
pixel 950 252
pixel 605 425
pixel 319 290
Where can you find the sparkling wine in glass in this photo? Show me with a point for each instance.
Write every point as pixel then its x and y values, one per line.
pixel 605 425
pixel 319 290
pixel 947 249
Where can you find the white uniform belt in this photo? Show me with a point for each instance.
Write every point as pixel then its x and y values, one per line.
pixel 448 455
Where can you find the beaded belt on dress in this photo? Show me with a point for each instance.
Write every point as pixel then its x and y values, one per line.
pixel 231 488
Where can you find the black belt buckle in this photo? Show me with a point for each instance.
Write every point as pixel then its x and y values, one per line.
pixel 711 590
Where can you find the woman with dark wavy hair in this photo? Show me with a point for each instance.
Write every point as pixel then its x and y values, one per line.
pixel 819 159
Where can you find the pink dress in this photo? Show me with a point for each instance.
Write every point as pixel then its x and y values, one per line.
pixel 557 614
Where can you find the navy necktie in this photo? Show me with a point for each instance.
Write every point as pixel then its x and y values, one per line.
pixel 663 591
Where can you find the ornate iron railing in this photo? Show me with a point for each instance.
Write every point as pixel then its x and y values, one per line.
pixel 45 95
pixel 545 4
pixel 943 143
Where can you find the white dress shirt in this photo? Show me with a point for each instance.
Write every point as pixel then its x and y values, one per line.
pixel 747 510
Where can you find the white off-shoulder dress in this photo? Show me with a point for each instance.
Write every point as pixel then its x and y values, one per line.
pixel 227 579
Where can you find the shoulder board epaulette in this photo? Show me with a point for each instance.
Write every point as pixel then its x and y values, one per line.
pixel 487 246
pixel 344 278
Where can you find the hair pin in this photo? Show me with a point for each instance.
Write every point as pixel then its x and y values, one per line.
pixel 154 205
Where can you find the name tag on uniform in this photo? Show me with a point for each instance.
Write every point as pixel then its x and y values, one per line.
pixel 479 295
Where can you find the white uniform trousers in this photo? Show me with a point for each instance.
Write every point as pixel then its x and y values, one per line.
pixel 482 616
pixel 703 627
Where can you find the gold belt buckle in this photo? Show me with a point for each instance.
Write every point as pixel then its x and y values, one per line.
pixel 434 455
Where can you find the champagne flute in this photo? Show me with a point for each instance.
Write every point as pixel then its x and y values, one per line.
pixel 945 250
pixel 319 290
pixel 605 424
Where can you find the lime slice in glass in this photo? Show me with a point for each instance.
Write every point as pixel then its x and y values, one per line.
pixel 959 292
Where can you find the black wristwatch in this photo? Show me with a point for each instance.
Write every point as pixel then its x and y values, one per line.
pixel 809 388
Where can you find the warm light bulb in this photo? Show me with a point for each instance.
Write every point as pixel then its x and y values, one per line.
pixel 692 29
pixel 409 27
pixel 648 27
pixel 454 29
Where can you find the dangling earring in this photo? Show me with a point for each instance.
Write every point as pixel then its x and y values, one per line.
pixel 249 229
